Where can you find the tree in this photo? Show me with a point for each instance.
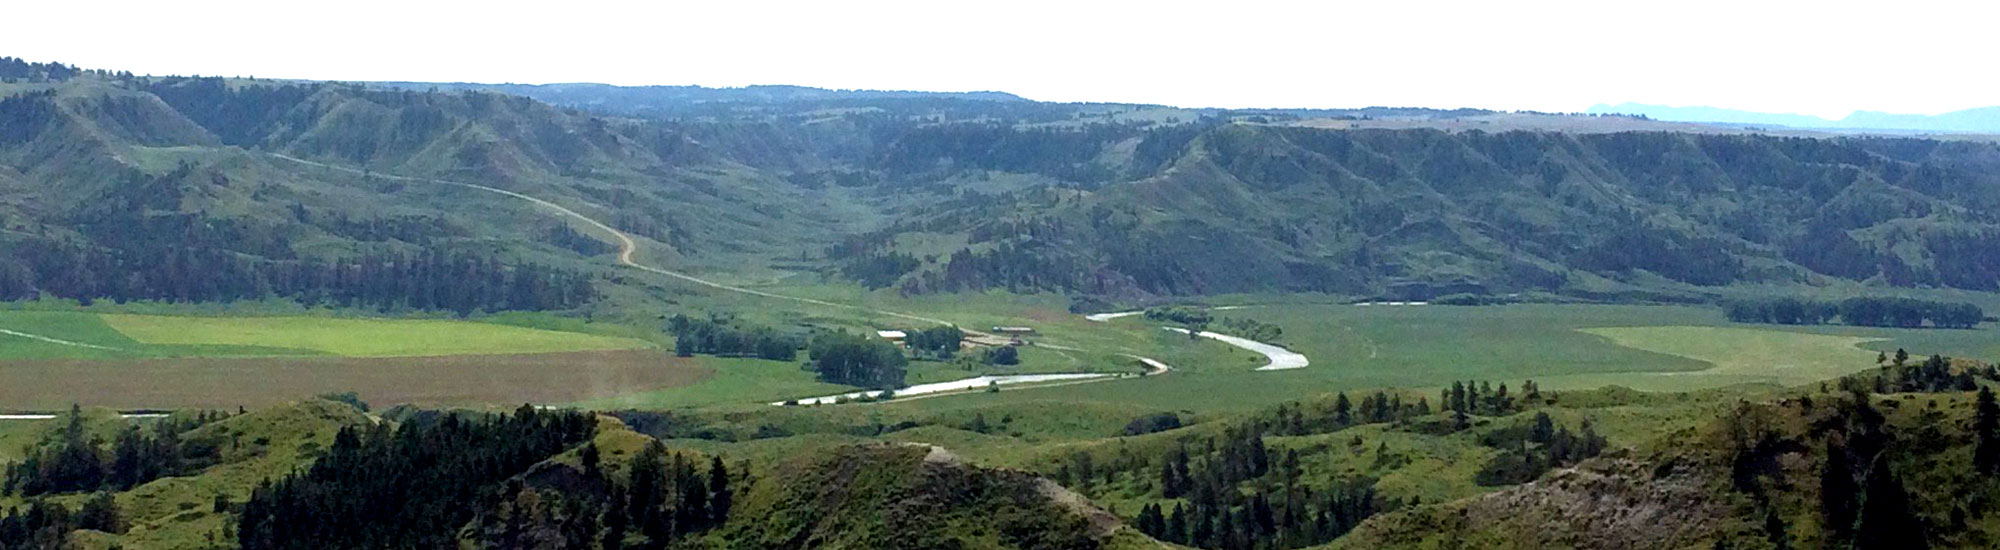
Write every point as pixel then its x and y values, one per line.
pixel 1002 355
pixel 100 513
pixel 846 358
pixel 940 342
pixel 1543 430
pixel 1774 529
pixel 1837 493
pixel 1986 433
pixel 1886 520
pixel 721 498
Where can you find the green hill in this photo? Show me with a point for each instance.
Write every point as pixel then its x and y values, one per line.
pixel 110 175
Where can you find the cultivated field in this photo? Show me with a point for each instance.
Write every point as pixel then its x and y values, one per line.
pixel 359 337
pixel 226 382
pixel 55 358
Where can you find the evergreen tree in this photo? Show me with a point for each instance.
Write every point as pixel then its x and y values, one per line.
pixel 100 513
pixel 721 498
pixel 1837 494
pixel 1986 433
pixel 1886 521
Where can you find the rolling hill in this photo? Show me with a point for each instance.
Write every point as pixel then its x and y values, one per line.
pixel 110 175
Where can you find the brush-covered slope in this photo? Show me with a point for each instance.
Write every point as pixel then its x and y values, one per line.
pixel 1417 213
pixel 912 496
pixel 1903 458
pixel 123 189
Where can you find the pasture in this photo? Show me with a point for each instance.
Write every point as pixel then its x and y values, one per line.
pixel 1560 346
pixel 360 337
pixel 131 361
pixel 227 382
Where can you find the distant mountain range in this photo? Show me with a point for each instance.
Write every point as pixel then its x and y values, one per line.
pixel 1983 120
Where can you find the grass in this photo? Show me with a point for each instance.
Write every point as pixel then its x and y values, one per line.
pixel 108 342
pixel 1560 346
pixel 1739 355
pixel 737 381
pixel 360 337
pixel 227 382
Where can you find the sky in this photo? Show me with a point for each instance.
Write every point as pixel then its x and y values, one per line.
pixel 1819 58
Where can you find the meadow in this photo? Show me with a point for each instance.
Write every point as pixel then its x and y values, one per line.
pixel 1560 346
pixel 140 361
pixel 360 337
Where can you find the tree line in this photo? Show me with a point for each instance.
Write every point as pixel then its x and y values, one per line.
pixel 433 280
pixel 43 524
pixel 1526 452
pixel 76 462
pixel 862 360
pixel 14 69
pixel 404 486
pixel 664 498
pixel 723 336
pixel 1861 311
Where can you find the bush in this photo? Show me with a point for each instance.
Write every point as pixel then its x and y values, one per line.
pixel 1185 315
pixel 1003 355
pixel 350 398
pixel 1152 423
pixel 1469 300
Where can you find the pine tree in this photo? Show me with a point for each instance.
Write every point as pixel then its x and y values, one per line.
pixel 720 496
pixel 1342 410
pixel 1837 494
pixel 1177 525
pixel 1986 433
pixel 1886 521
pixel 1774 529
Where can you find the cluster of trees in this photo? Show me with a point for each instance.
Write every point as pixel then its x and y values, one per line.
pixel 1252 329
pixel 879 270
pixel 1469 398
pixel 1666 251
pixel 724 337
pixel 562 235
pixel 843 357
pixel 76 462
pixel 23 116
pixel 1862 501
pixel 404 486
pixel 14 69
pixel 1005 356
pixel 1864 311
pixel 435 280
pixel 664 499
pixel 1296 519
pixel 1527 452
pixel 1934 374
pixel 1018 268
pixel 1234 494
pixel 939 342
pixel 43 524
pixel 1186 315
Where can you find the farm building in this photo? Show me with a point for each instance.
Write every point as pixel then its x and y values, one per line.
pixel 1013 330
pixel 896 336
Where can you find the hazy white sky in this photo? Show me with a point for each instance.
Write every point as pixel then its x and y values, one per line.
pixel 1822 58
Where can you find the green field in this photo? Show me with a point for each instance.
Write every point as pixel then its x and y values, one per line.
pixel 99 340
pixel 360 337
pixel 1739 356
